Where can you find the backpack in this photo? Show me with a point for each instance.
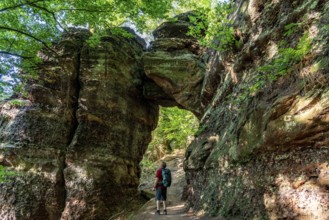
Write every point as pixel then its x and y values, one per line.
pixel 166 177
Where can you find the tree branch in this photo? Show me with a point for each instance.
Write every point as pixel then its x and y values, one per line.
pixel 19 5
pixel 82 9
pixel 30 36
pixel 15 55
pixel 33 4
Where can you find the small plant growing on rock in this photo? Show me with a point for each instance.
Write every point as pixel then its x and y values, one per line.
pixel 291 28
pixel 17 102
pixel 5 174
pixel 283 63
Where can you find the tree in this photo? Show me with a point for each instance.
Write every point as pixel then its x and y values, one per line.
pixel 27 26
pixel 175 128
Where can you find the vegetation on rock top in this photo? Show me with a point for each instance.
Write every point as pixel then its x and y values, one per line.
pixel 29 27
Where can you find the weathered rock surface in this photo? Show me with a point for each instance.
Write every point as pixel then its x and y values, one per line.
pixel 262 150
pixel 178 28
pixel 263 153
pixel 34 136
pixel 77 143
pixel 175 63
pixel 114 129
pixel 78 140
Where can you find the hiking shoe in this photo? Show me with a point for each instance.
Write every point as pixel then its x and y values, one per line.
pixel 165 212
pixel 157 212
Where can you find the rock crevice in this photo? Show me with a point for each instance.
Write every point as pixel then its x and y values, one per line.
pixel 78 141
pixel 261 149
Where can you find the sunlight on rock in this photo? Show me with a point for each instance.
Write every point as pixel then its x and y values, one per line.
pixel 306 116
pixel 79 171
pixel 324 174
pixel 253 9
pixel 289 202
pixel 272 50
pixel 11 113
pixel 259 86
pixel 314 31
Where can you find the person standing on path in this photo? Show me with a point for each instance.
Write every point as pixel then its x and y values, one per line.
pixel 160 189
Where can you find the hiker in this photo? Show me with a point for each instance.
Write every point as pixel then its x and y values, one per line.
pixel 162 181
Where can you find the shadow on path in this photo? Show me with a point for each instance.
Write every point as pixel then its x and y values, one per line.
pixel 175 207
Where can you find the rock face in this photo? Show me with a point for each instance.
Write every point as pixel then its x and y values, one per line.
pixel 262 146
pixel 34 136
pixel 262 152
pixel 175 63
pixel 114 128
pixel 77 143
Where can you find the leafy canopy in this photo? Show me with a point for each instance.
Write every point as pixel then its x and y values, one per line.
pixel 212 25
pixel 29 25
pixel 174 129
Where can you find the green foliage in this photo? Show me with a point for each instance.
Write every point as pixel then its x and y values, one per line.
pixel 213 27
pixel 5 174
pixel 287 57
pixel 322 64
pixel 174 128
pixel 291 28
pixel 17 102
pixel 148 167
pixel 283 63
pixel 28 27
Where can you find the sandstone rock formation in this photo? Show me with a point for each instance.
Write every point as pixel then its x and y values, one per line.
pixel 77 143
pixel 175 63
pixel 34 137
pixel 262 150
pixel 114 128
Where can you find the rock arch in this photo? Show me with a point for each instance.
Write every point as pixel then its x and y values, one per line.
pixel 78 140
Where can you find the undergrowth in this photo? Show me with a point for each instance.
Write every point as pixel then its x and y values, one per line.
pixel 5 174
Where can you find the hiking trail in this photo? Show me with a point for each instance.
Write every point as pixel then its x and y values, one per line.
pixel 175 206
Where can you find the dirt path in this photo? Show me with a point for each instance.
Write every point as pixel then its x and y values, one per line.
pixel 175 207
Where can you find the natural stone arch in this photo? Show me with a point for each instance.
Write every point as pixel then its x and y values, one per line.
pixel 85 129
